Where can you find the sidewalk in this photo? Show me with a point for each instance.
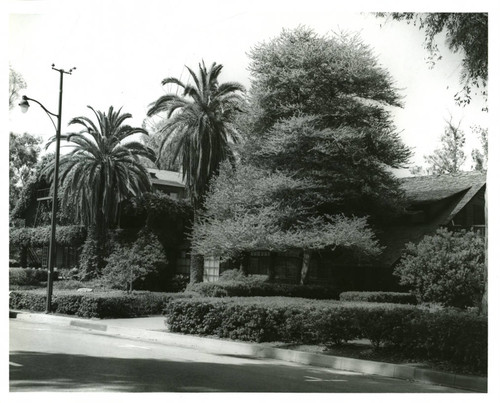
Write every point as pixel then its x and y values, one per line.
pixel 153 329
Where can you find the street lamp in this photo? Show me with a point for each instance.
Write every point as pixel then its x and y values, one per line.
pixel 52 246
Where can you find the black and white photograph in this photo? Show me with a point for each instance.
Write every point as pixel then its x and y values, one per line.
pixel 213 199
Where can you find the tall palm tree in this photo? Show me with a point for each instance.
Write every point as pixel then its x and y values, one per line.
pixel 199 128
pixel 102 169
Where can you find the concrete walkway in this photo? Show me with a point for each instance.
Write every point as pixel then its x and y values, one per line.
pixel 154 329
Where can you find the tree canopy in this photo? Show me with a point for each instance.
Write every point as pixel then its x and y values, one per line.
pixel 319 110
pixel 24 151
pixel 466 33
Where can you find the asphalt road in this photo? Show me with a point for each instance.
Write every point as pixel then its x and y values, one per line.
pixel 45 357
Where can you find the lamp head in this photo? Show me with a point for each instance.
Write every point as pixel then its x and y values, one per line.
pixel 24 104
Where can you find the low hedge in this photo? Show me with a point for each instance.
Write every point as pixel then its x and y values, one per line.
pixel 379 296
pixel 26 276
pixel 101 304
pixel 262 288
pixel 413 331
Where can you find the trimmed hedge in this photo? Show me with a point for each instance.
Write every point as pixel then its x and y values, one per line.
pixel 94 304
pixel 262 288
pixel 26 276
pixel 379 296
pixel 449 335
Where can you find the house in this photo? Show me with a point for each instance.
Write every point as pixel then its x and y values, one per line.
pixel 35 211
pixel 455 201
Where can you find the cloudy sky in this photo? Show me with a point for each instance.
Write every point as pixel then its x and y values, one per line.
pixel 122 51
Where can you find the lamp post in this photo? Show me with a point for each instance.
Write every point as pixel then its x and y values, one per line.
pixel 52 246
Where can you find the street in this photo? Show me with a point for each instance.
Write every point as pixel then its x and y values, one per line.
pixel 46 357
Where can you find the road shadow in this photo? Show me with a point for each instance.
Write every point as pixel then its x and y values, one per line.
pixel 33 371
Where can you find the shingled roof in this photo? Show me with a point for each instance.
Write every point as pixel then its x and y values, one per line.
pixel 456 189
pixel 166 178
pixel 438 187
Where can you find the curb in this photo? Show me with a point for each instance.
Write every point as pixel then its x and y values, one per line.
pixel 228 347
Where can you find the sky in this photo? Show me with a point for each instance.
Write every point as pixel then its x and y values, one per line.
pixel 122 51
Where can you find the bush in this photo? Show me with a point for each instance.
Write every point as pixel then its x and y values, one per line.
pixel 379 296
pixel 26 276
pixel 66 235
pixel 451 335
pixel 446 268
pixel 134 261
pixel 254 286
pixel 94 304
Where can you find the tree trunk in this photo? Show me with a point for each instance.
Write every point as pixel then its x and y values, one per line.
pixel 196 268
pixel 244 263
pixel 271 272
pixel 196 263
pixel 306 260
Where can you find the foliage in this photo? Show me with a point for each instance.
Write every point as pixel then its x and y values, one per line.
pixel 16 84
pixel 199 124
pixel 379 296
pixel 480 157
pixel 109 304
pixel 447 268
pixel 199 127
pixel 135 261
pixel 70 235
pixel 332 76
pixel 91 259
pixel 26 276
pixel 450 156
pixel 246 210
pixel 319 114
pixel 24 151
pixel 163 215
pixel 412 331
pixel 466 33
pixel 102 168
pixel 253 286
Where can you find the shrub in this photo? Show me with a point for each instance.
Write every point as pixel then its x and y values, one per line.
pixel 253 286
pixel 66 235
pixel 131 262
pixel 95 304
pixel 447 268
pixel 27 276
pixel 379 296
pixel 451 335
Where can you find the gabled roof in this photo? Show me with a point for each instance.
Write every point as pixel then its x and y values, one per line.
pixel 438 187
pixel 166 178
pixel 454 191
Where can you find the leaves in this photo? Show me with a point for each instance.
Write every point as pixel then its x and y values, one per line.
pixel 198 127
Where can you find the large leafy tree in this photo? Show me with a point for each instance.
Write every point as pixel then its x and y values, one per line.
pixel 102 169
pixel 320 110
pixel 250 209
pixel 198 129
pixel 24 151
pixel 466 33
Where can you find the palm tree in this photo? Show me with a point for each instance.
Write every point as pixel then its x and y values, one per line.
pixel 102 169
pixel 199 128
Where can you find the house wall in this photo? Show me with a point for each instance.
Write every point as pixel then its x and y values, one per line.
pixel 472 214
pixel 323 269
